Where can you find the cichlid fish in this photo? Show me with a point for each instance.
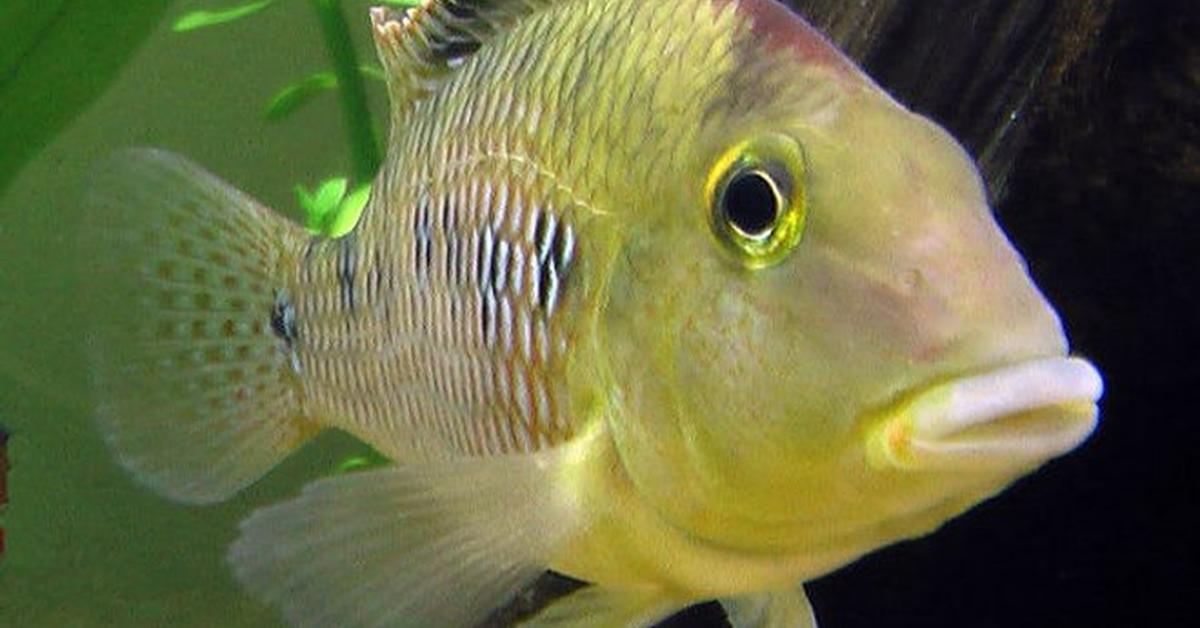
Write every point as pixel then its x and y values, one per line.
pixel 666 296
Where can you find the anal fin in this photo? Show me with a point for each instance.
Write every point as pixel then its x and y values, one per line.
pixel 438 544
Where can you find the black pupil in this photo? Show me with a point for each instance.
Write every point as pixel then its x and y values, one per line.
pixel 750 203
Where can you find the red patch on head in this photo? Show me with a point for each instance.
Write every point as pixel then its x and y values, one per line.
pixel 784 29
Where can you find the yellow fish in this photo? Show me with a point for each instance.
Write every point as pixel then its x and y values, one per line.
pixel 666 296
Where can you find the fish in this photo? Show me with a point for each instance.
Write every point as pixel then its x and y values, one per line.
pixel 668 297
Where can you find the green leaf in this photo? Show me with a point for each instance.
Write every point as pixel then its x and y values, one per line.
pixel 204 18
pixel 348 212
pixel 57 56
pixel 329 195
pixel 289 99
pixel 321 207
pixel 373 71
pixel 403 3
pixel 307 202
pixel 367 460
pixel 330 211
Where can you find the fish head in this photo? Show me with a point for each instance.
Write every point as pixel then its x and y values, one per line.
pixel 819 338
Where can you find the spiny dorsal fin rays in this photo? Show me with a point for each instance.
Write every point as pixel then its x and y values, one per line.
pixel 421 45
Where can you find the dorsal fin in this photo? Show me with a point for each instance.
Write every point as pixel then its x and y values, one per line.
pixel 419 46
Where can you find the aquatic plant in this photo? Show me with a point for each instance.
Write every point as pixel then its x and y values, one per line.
pixel 335 203
pixel 55 59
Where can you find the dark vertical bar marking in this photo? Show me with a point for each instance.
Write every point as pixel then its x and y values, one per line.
pixel 483 260
pixel 347 262
pixel 375 276
pixel 310 250
pixel 423 238
pixel 555 252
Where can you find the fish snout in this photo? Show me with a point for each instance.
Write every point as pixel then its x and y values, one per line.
pixel 994 387
pixel 971 299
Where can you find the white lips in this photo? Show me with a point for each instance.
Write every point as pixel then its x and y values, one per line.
pixel 1013 416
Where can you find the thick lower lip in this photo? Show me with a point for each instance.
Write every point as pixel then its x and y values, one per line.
pixel 1013 416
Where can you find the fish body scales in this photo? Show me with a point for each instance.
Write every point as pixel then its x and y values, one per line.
pixel 455 325
pixel 442 328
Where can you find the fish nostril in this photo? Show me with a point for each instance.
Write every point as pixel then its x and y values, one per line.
pixel 935 320
pixel 912 281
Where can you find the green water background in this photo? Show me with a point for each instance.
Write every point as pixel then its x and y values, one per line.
pixel 86 545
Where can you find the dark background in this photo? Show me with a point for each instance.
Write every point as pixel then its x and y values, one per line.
pixel 1100 189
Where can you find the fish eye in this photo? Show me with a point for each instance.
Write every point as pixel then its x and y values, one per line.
pixel 756 194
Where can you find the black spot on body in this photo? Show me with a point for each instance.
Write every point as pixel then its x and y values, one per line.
pixel 283 319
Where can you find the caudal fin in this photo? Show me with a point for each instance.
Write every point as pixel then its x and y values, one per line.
pixel 193 374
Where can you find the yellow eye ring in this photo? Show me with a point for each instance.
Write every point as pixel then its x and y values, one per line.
pixel 756 199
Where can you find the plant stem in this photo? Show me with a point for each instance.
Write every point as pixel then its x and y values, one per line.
pixel 364 148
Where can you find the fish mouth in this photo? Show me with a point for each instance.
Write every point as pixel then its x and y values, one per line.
pixel 1014 416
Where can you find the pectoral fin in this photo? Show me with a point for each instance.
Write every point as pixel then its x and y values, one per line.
pixel 439 544
pixel 602 607
pixel 774 609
